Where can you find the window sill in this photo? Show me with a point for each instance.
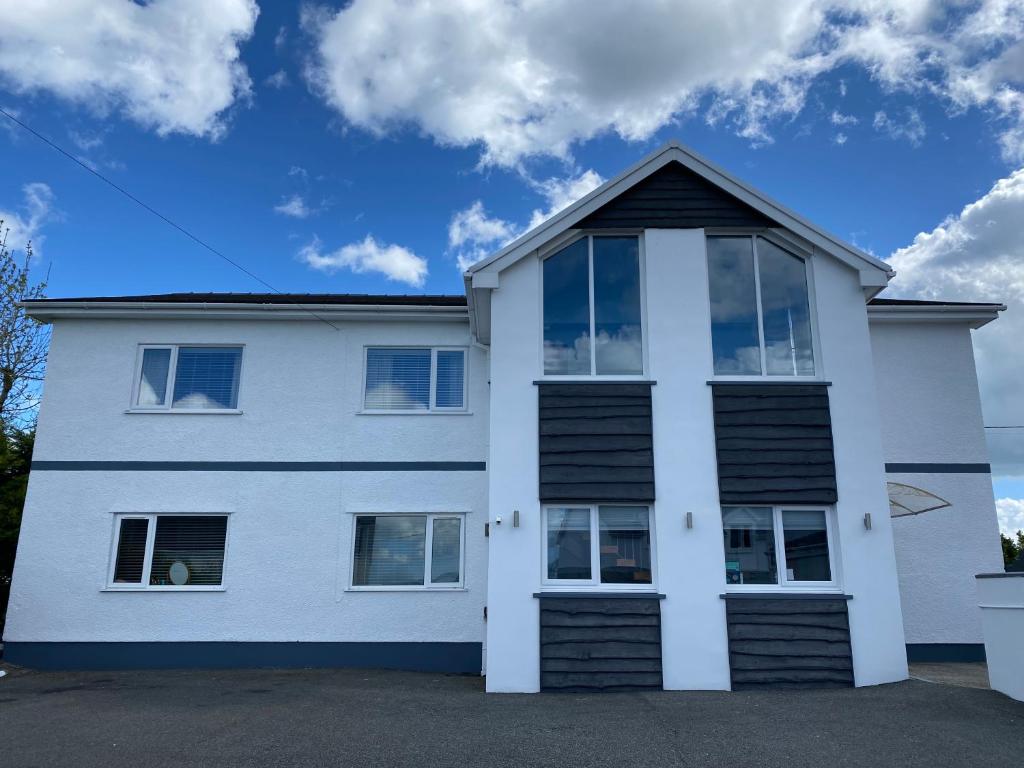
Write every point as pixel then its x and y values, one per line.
pixel 406 589
pixel 383 412
pixel 781 380
pixel 638 378
pixel 188 411
pixel 151 590
pixel 601 593
pixel 784 593
pixel 596 589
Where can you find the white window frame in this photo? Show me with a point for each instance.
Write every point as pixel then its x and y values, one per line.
pixel 427 585
pixel 433 407
pixel 795 250
pixel 172 373
pixel 144 585
pixel 783 583
pixel 555 249
pixel 594 583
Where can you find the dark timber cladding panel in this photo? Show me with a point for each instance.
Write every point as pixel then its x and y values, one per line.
pixel 595 442
pixel 789 643
pixel 774 444
pixel 674 197
pixel 594 643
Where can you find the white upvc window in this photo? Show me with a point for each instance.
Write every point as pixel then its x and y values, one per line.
pixel 606 546
pixel 762 323
pixel 788 547
pixel 168 552
pixel 197 378
pixel 593 308
pixel 408 551
pixel 415 379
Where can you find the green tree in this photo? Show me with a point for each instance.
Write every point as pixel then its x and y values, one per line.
pixel 1013 547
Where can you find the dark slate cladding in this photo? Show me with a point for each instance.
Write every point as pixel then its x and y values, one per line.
pixel 774 444
pixel 594 643
pixel 595 442
pixel 674 197
pixel 776 643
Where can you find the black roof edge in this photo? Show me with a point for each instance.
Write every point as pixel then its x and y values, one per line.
pixel 927 303
pixel 341 299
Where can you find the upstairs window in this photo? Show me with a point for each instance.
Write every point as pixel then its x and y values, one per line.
pixel 415 379
pixel 760 312
pixel 592 308
pixel 175 377
pixel 169 551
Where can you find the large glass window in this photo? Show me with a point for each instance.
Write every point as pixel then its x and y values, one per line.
pixel 598 545
pixel 197 378
pixel 771 545
pixel 592 308
pixel 407 551
pixel 169 551
pixel 415 379
pixel 760 312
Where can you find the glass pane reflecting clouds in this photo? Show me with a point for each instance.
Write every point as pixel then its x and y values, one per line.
pixel 567 311
pixel 444 551
pixel 207 377
pixel 618 338
pixel 734 334
pixel 784 304
pixel 156 364
pixel 389 550
pixel 749 545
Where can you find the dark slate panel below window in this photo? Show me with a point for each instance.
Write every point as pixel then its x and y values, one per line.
pixel 779 643
pixel 774 444
pixel 595 442
pixel 597 644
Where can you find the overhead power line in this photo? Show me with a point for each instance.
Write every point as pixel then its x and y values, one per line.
pixel 167 220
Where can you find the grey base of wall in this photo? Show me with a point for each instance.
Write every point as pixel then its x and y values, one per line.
pixel 924 653
pixel 462 658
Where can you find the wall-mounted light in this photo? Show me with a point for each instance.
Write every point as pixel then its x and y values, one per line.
pixel 867 521
pixel 515 518
pixel 689 520
pixel 497 520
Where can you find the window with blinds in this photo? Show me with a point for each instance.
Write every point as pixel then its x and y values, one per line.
pixel 170 551
pixel 407 551
pixel 179 377
pixel 415 379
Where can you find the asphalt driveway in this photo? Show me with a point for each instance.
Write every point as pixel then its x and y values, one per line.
pixel 359 718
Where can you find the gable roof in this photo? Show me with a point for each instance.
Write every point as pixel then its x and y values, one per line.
pixel 874 273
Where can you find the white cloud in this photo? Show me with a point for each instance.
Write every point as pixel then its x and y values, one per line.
pixel 978 255
pixel 1011 515
pixel 24 225
pixel 534 77
pixel 278 80
pixel 473 234
pixel 840 138
pixel 838 118
pixel 912 128
pixel 170 65
pixel 294 206
pixel 393 261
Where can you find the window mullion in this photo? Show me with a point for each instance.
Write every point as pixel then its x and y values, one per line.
pixel 760 308
pixel 147 562
pixel 428 552
pixel 593 324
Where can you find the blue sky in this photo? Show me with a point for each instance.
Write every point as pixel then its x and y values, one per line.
pixel 287 135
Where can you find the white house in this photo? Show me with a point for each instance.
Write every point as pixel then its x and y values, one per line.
pixel 648 448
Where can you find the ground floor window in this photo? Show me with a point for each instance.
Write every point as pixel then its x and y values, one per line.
pixel 169 551
pixel 778 546
pixel 601 544
pixel 408 551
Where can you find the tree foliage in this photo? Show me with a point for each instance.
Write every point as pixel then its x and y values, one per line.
pixel 1013 547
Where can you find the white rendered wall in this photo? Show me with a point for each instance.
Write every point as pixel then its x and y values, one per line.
pixel 288 559
pixel 1002 616
pixel 690 564
pixel 931 413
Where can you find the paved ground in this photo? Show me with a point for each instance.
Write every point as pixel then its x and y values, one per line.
pixel 342 718
pixel 968 675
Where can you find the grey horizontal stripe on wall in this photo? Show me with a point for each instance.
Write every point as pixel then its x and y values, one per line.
pixel 939 469
pixel 461 658
pixel 260 466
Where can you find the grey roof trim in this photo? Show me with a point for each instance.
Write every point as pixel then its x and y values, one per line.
pixel 909 310
pixel 673 151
